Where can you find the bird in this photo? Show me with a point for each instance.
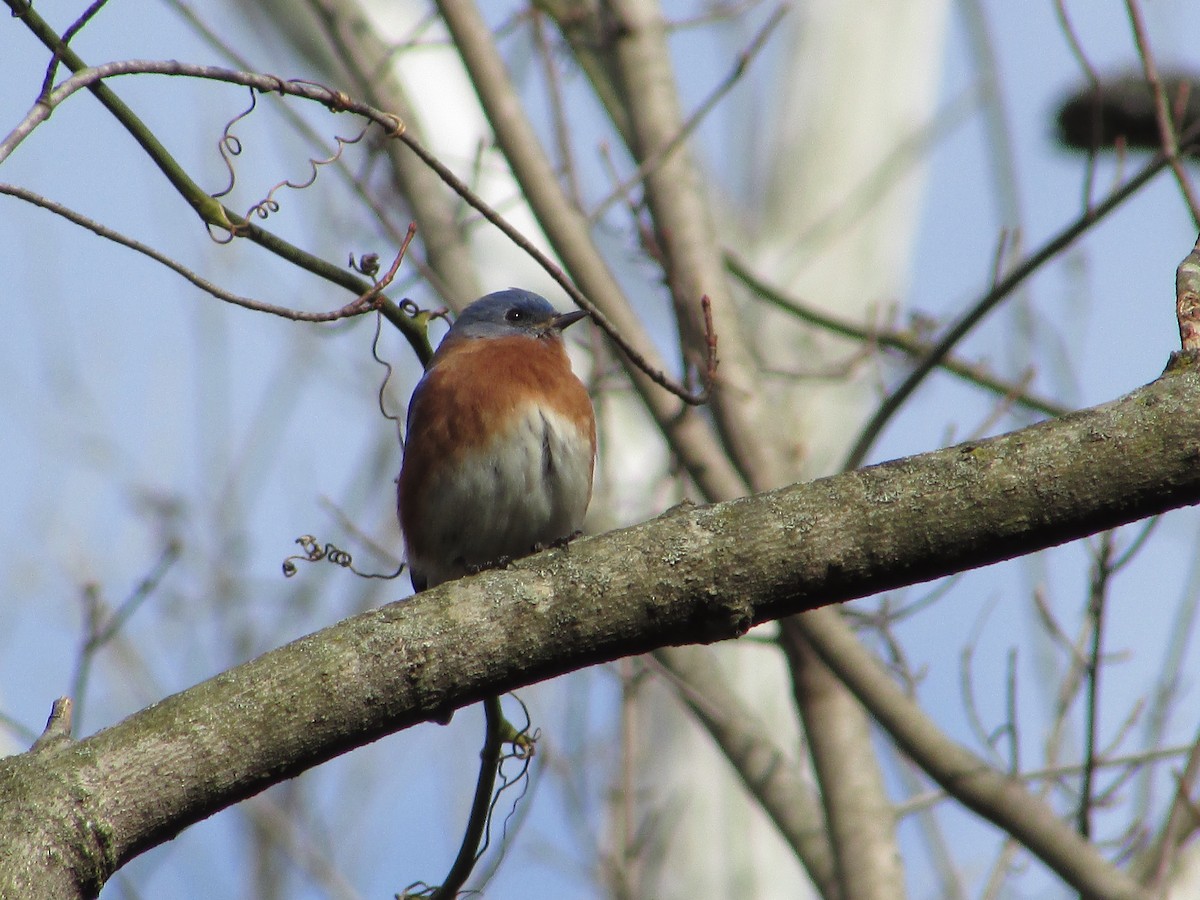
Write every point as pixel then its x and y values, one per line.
pixel 500 444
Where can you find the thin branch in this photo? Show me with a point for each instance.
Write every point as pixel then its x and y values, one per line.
pixel 102 627
pixel 991 299
pixel 999 142
pixel 1162 113
pixel 971 780
pixel 210 211
pixel 639 360
pixel 73 29
pixel 663 152
pixel 966 688
pixel 894 340
pixel 1010 706
pixel 1169 681
pixel 489 762
pixel 1058 634
pixel 558 107
pixel 1097 595
pixel 92 78
pixel 1093 145
pixel 1181 820
pixel 366 302
pixel 774 780
pixel 950 875
pixel 1056 772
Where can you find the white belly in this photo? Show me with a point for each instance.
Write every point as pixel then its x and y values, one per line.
pixel 529 487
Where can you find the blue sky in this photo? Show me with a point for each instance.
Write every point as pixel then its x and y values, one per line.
pixel 137 407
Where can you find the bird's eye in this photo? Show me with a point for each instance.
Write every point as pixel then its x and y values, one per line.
pixel 514 315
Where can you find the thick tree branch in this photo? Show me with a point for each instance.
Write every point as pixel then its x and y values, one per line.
pixel 71 813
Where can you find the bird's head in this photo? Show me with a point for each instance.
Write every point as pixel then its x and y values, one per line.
pixel 512 312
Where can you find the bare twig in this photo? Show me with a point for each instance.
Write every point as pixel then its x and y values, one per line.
pixel 1097 596
pixel 1162 113
pixel 996 119
pixel 1057 634
pixel 210 211
pixel 991 299
pixel 1000 798
pixel 365 302
pixel 554 271
pixel 558 112
pixel 966 687
pixel 1181 819
pixel 73 29
pixel 1012 726
pixel 1068 30
pixel 663 152
pixel 903 341
pixel 1169 682
pixel 103 626
pixel 950 874
pixel 1129 761
pixel 91 77
pixel 1104 798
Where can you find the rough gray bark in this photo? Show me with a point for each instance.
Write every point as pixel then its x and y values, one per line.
pixel 73 812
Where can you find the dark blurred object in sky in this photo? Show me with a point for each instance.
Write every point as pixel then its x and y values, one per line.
pixel 1121 110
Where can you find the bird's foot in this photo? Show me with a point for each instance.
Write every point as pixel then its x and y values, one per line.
pixel 557 543
pixel 501 562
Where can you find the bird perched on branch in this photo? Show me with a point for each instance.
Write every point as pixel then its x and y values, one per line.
pixel 501 442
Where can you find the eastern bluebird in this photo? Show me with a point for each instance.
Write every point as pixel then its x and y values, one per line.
pixel 501 442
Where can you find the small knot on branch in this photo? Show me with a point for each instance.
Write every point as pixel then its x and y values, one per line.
pixel 58 726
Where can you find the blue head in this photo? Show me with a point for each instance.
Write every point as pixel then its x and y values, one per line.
pixel 511 312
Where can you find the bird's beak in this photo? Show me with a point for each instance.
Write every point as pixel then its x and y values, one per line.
pixel 562 320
